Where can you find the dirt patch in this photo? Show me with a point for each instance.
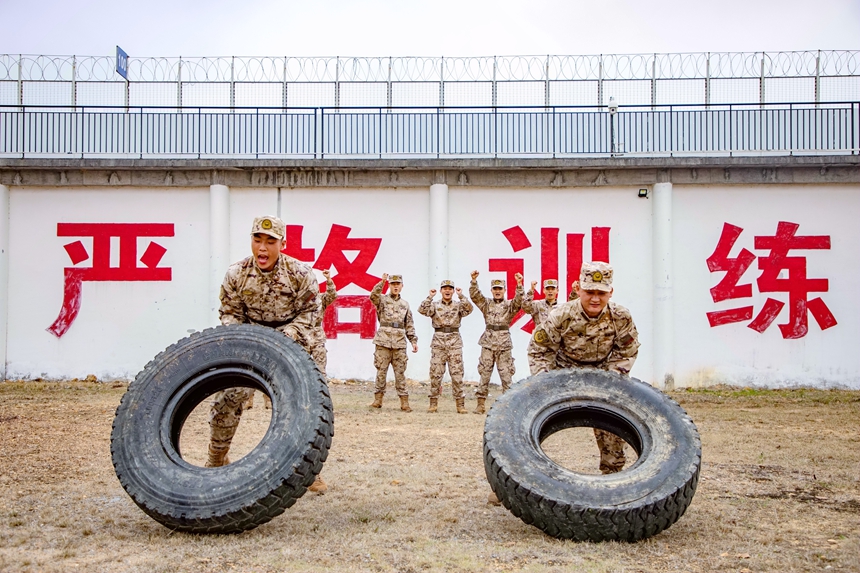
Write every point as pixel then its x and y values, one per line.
pixel 778 492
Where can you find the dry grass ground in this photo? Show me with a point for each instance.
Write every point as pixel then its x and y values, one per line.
pixel 779 492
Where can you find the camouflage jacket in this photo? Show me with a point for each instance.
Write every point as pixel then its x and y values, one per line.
pixel 446 315
pixel 609 341
pixel 390 310
pixel 496 314
pixel 324 299
pixel 539 309
pixel 283 298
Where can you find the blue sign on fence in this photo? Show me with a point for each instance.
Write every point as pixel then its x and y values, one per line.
pixel 121 63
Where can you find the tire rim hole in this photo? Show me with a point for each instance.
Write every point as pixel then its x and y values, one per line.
pixel 575 449
pixel 567 436
pixel 194 435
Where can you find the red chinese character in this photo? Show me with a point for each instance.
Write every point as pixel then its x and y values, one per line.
pixel 797 285
pixel 366 325
pixel 101 270
pixel 332 255
pixel 348 272
pixel 549 238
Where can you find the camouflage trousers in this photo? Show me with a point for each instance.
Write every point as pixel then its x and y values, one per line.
pixel 453 357
pixel 397 358
pixel 224 416
pixel 504 363
pixel 320 356
pixel 611 451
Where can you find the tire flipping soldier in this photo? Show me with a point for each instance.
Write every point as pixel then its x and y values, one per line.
pixel 539 309
pixel 447 345
pixel 271 289
pixel 395 328
pixel 317 337
pixel 591 332
pixel 495 342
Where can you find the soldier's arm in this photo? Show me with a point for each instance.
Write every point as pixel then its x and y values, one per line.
pixel 528 301
pixel 625 349
pixel 376 293
pixel 477 297
pixel 232 310
pixel 427 308
pixel 548 335
pixel 330 294
pixel 410 329
pixel 516 303
pixel 465 306
pixel 302 325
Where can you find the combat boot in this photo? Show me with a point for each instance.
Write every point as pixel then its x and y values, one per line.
pixel 479 409
pixel 377 400
pixel 249 403
pixel 319 486
pixel 217 455
pixel 404 404
pixel 461 406
pixel 434 404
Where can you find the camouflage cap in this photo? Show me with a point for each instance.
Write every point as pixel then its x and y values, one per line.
pixel 596 276
pixel 395 279
pixel 550 283
pixel 447 283
pixel 497 283
pixel 271 226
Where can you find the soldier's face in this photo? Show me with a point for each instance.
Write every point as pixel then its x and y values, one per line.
pixel 447 293
pixel 498 293
pixel 265 250
pixel 593 301
pixel 550 292
pixel 396 288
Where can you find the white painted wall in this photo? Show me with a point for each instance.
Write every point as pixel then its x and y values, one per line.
pixel 122 325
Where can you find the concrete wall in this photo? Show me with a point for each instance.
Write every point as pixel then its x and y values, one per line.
pixel 131 307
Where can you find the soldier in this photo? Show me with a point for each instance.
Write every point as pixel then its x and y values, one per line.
pixel 271 289
pixel 318 350
pixel 591 332
pixel 395 327
pixel 539 309
pixel 495 343
pixel 447 345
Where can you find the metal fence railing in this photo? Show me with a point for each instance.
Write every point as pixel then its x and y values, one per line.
pixel 547 80
pixel 383 132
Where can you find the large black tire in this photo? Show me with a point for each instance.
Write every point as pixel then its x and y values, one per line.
pixel 636 503
pixel 252 490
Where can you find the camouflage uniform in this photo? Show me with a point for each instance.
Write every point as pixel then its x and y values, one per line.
pixel 395 327
pixel 572 339
pixel 317 343
pixel 447 345
pixel 283 298
pixel 495 342
pixel 539 309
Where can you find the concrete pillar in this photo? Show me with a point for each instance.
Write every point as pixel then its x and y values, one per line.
pixel 664 296
pixel 438 234
pixel 4 275
pixel 219 243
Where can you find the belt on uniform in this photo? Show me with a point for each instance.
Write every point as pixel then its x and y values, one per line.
pixel 447 329
pixel 273 324
pixel 393 324
pixel 498 327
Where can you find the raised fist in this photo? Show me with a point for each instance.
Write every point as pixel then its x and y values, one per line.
pixel 534 284
pixel 432 292
pixel 519 278
pixel 385 277
pixel 474 275
pixel 459 292
pixel 327 274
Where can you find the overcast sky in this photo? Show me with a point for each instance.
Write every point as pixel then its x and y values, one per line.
pixel 415 28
